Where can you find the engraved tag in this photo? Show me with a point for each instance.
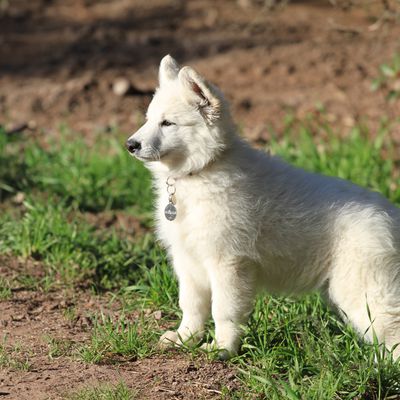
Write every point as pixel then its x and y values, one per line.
pixel 170 212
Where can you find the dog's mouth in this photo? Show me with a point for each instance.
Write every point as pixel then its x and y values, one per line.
pixel 147 156
pixel 145 159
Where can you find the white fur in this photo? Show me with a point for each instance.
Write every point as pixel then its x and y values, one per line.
pixel 247 220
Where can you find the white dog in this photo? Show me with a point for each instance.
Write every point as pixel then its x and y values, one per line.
pixel 235 220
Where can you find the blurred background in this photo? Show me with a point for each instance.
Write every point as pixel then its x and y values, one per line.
pixel 92 64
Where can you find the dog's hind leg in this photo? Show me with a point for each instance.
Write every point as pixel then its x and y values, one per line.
pixel 364 281
pixel 389 333
pixel 366 293
pixel 194 301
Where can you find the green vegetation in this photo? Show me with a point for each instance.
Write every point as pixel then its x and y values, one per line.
pixel 59 347
pixel 90 176
pixel 5 289
pixel 104 392
pixel 388 80
pixel 13 357
pixel 120 340
pixel 71 248
pixel 300 350
pixel 293 348
pixel 358 158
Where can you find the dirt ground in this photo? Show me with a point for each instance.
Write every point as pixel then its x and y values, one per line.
pixel 31 319
pixel 62 61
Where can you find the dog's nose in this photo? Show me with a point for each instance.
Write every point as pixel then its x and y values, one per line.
pixel 132 145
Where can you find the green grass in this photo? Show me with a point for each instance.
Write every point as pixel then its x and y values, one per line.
pixel 71 248
pixel 298 349
pixel 113 341
pixel 293 348
pixel 103 392
pixel 372 163
pixel 388 79
pixel 5 289
pixel 59 347
pixel 13 357
pixel 92 177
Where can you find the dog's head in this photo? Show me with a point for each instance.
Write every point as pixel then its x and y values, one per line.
pixel 187 123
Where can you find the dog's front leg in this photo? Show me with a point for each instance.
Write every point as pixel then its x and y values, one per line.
pixel 194 301
pixel 233 292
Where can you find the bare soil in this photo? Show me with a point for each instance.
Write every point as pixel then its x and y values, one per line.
pixel 59 63
pixel 153 378
pixel 31 319
pixel 59 59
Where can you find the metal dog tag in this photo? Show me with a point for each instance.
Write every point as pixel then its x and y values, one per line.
pixel 170 212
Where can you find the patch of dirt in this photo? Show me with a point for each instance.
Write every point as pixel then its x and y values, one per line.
pixel 12 267
pixel 61 59
pixel 120 221
pixel 30 319
pixel 152 378
pixel 30 315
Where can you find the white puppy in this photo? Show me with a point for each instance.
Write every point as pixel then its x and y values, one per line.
pixel 235 220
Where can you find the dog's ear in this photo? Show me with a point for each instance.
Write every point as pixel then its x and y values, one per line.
pixel 169 69
pixel 198 92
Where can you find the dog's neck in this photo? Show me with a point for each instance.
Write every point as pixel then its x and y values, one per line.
pixel 171 183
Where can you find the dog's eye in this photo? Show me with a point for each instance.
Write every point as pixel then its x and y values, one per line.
pixel 166 123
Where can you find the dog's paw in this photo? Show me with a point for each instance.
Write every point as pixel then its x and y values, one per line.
pixel 221 354
pixel 169 339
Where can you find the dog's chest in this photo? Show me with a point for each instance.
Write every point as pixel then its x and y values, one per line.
pixel 199 218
